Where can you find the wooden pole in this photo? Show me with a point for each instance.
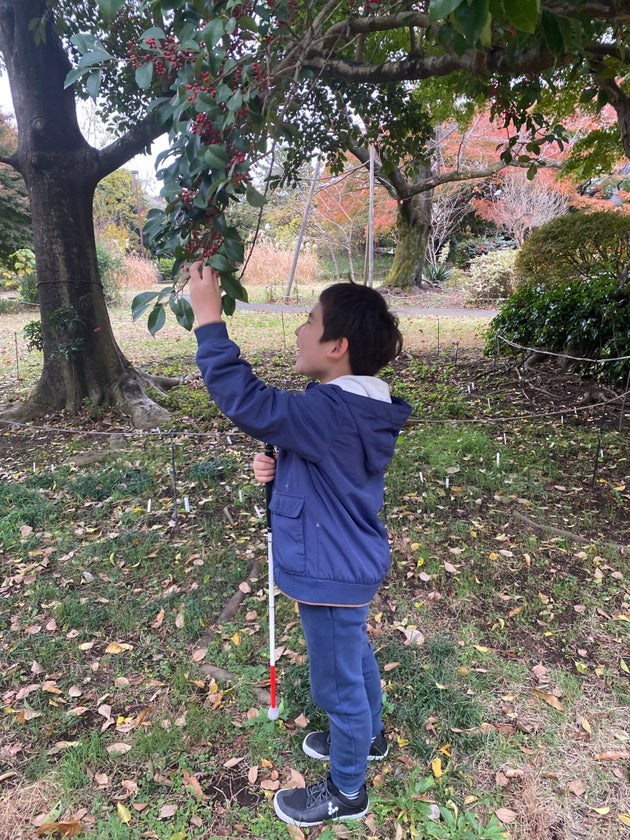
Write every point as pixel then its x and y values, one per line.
pixel 368 276
pixel 305 216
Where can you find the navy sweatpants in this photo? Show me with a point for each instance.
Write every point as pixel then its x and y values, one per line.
pixel 346 684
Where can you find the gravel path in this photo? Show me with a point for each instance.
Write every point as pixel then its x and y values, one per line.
pixel 404 309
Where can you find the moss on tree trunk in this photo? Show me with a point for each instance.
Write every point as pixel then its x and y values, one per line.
pixel 413 228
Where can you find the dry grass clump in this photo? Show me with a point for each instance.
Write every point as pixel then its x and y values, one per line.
pixel 270 265
pixel 538 809
pixel 21 804
pixel 137 273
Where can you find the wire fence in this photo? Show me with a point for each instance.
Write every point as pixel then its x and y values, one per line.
pixel 172 435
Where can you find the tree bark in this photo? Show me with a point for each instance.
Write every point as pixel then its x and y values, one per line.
pixel 82 361
pixel 413 228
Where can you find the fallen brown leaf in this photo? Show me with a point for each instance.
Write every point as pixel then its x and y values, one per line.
pixel 550 699
pixel 505 815
pixel 192 782
pixel 65 828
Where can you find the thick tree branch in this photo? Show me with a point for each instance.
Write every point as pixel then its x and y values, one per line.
pixel 417 67
pixel 135 141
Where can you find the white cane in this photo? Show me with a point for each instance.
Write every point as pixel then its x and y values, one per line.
pixel 272 712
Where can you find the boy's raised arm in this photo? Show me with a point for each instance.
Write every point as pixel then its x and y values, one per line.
pixel 205 293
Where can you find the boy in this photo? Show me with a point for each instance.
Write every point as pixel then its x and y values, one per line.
pixel 331 551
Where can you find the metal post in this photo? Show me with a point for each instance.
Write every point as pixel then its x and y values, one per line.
pixel 134 175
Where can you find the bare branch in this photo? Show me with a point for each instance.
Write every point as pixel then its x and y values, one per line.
pixel 140 137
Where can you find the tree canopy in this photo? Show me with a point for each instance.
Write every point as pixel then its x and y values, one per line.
pixel 231 80
pixel 234 83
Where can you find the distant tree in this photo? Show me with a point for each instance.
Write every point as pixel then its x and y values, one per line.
pixel 519 205
pixel 115 205
pixel 15 217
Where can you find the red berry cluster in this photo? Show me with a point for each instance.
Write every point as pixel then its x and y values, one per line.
pixel 168 58
pixel 203 126
pixel 203 242
pixel 136 60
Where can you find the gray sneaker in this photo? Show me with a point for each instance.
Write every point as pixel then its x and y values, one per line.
pixel 317 745
pixel 318 803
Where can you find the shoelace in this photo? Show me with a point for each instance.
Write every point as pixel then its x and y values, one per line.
pixel 317 793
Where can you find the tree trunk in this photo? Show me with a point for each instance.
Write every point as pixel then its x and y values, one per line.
pixel 413 228
pixel 82 361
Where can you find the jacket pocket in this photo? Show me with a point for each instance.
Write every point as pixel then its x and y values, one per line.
pixel 287 526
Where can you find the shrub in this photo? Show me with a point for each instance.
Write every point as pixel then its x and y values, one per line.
pixel 477 246
pixel 28 288
pixel 586 319
pixel 140 273
pixel 436 273
pixel 165 269
pixel 491 277
pixel 576 246
pixel 110 265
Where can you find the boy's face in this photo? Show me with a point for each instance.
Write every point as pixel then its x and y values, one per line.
pixel 314 356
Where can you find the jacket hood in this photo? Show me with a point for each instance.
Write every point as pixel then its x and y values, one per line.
pixel 376 422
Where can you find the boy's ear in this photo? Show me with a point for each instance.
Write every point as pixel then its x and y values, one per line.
pixel 339 348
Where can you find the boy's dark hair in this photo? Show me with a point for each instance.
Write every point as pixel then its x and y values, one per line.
pixel 360 314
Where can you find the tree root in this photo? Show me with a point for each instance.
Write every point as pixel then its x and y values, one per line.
pixel 229 610
pixel 568 535
pixel 130 397
pixel 227 614
pixel 216 673
pixel 126 393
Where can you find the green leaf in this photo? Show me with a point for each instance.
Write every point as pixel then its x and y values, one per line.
pixel 552 32
pixel 96 56
pixel 156 319
pixel 108 8
pixel 144 75
pixel 234 250
pixel 221 264
pixel 588 94
pixel 141 303
pixel 228 304
pixel 232 287
pixel 93 84
pixel 472 19
pixel 442 8
pixel 255 198
pixel 73 76
pixel 183 311
pixel 523 14
pixel 213 33
pixel 82 42
pixel 154 32
pixel 215 157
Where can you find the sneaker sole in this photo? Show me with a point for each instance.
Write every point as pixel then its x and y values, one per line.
pixel 312 754
pixel 306 824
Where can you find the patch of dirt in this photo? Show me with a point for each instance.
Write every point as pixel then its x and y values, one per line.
pixel 231 787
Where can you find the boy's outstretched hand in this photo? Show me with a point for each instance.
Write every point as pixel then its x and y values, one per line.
pixel 205 293
pixel 264 468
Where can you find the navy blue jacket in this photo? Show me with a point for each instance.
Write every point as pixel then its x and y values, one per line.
pixel 329 545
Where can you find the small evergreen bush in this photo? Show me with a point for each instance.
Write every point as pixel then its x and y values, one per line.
pixel 111 267
pixel 466 250
pixel 436 273
pixel 584 319
pixel 491 277
pixel 575 246
pixel 28 288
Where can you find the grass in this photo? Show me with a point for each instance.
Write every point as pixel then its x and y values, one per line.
pixel 501 630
